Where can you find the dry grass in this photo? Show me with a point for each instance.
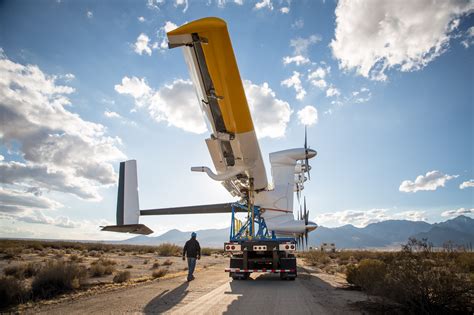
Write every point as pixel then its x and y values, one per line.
pixel 22 271
pixel 12 291
pixel 167 249
pixel 101 267
pixel 167 262
pixel 121 276
pixel 161 272
pixel 57 277
pixel 420 282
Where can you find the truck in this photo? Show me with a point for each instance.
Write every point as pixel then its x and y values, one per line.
pixel 261 251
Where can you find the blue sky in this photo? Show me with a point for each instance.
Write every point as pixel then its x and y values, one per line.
pixel 385 88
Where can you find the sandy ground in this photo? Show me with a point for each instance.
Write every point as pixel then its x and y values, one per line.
pixel 213 292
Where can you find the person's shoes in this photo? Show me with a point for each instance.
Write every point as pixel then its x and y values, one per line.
pixel 192 278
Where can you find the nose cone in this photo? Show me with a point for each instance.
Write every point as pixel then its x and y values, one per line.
pixel 311 226
pixel 311 153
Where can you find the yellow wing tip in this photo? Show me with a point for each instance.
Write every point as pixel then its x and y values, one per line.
pixel 199 26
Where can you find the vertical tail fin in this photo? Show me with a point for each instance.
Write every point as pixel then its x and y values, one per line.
pixel 128 210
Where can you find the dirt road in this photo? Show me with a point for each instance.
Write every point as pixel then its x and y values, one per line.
pixel 213 292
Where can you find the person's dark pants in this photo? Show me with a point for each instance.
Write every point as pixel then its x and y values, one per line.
pixel 191 266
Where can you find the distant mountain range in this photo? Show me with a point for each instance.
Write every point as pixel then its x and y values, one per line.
pixel 459 230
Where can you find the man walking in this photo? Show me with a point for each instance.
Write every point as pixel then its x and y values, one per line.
pixel 192 251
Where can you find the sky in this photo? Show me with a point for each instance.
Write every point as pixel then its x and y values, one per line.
pixel 384 87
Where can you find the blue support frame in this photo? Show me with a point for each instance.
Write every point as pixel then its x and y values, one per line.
pixel 262 232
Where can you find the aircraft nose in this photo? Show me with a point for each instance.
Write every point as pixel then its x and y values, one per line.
pixel 311 226
pixel 311 153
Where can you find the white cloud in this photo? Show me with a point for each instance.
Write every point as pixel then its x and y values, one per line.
pixel 264 4
pixel 354 217
pixel 362 218
pixel 285 10
pixel 90 14
pixel 469 183
pixel 68 77
pixel 299 23
pixel 468 38
pixel 270 114
pixel 298 60
pixel 184 3
pixel 135 87
pixel 141 19
pixel 161 34
pixel 174 103
pixel 317 77
pixel 59 151
pixel 300 50
pixel 295 82
pixel 411 216
pixel 16 201
pixel 301 45
pixel 332 91
pixel 111 114
pixel 155 4
pixel 142 45
pixel 222 3
pixel 361 96
pixel 308 115
pixel 457 212
pixel 376 35
pixel 431 181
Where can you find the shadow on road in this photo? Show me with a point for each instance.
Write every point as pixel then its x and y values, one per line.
pixel 166 300
pixel 256 294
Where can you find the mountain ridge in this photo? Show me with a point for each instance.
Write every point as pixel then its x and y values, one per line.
pixel 389 233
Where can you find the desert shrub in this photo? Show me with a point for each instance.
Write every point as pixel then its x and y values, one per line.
pixel 421 281
pixel 370 275
pixel 94 253
pixel 16 271
pixel 57 277
pixel 106 262
pixel 167 249
pixel 75 258
pixel 145 262
pixel 12 292
pixel 155 265
pixel 167 262
pixel 22 270
pixel 121 276
pixel 206 251
pixel 316 258
pixel 31 269
pixel 129 267
pixel 101 267
pixel 159 273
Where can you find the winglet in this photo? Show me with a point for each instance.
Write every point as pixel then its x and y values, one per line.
pixel 128 210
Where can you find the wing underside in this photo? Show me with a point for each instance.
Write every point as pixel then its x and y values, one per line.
pixel 233 145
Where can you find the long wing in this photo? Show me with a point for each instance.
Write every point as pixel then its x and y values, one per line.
pixel 233 144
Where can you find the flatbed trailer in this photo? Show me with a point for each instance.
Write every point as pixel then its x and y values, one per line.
pixel 258 251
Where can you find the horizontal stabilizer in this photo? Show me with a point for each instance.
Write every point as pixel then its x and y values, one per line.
pixel 128 228
pixel 215 208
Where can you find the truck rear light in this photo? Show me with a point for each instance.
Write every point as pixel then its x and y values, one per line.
pixel 287 247
pixel 233 247
pixel 227 247
pixel 292 246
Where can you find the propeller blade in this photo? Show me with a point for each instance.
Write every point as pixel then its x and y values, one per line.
pixel 305 137
pixel 306 213
pixel 298 193
pixel 306 150
pixel 306 238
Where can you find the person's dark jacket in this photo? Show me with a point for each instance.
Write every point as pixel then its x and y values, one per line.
pixel 192 248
